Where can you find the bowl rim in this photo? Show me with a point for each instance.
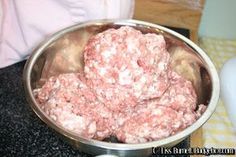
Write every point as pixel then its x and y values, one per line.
pixel 121 146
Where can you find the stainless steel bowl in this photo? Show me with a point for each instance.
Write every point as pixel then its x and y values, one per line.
pixel 62 53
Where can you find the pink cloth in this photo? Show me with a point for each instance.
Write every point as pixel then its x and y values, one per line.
pixel 25 23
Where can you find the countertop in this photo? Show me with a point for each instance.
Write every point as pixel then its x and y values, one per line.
pixel 22 133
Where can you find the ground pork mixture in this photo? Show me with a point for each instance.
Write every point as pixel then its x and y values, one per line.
pixel 127 90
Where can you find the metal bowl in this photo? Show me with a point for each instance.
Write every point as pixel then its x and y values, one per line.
pixel 62 53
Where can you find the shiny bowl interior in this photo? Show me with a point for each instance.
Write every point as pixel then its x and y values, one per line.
pixel 62 53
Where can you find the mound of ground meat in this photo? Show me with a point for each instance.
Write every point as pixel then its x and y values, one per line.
pixel 125 66
pixel 161 117
pixel 127 90
pixel 71 103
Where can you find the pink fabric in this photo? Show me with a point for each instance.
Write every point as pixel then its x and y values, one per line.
pixel 25 23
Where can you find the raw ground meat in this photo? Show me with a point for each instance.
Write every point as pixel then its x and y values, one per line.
pixel 126 66
pixel 150 122
pixel 68 100
pixel 127 90
pixel 161 117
